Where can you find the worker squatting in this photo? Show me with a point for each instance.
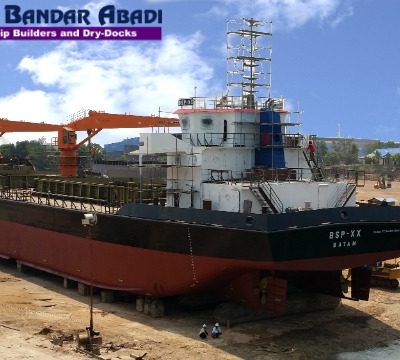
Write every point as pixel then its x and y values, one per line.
pixel 107 15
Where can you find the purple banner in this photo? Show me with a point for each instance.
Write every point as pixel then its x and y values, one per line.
pixel 80 33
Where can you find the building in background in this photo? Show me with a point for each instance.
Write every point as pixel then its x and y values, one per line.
pixel 121 150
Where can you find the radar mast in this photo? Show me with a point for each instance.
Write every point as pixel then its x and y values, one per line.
pixel 249 50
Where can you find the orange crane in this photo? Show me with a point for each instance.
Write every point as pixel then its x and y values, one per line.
pixel 93 122
pixel 23 126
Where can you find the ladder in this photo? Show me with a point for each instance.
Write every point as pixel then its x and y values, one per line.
pixel 267 197
pixel 316 170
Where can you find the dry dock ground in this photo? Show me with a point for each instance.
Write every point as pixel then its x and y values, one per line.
pixel 38 318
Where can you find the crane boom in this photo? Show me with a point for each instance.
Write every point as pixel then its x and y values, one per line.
pixel 24 126
pixel 102 120
pixel 93 123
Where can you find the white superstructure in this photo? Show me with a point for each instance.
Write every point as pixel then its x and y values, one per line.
pixel 239 153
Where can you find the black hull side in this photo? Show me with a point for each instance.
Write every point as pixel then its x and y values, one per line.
pixel 317 236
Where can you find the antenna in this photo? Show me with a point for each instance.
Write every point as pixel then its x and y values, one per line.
pixel 249 51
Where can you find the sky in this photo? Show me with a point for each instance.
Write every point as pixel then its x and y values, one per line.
pixel 337 61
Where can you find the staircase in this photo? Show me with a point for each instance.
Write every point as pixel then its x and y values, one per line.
pixel 260 198
pixel 316 170
pixel 341 198
pixel 267 198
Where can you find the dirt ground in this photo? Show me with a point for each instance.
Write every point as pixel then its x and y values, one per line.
pixel 368 191
pixel 38 319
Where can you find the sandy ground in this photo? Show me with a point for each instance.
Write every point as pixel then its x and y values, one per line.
pixel 38 319
pixel 368 191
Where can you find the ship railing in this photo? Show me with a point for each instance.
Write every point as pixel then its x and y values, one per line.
pixel 58 200
pixel 274 201
pixel 284 140
pixel 352 176
pixel 74 202
pixel 224 176
pixel 278 174
pixel 13 194
pixel 222 102
pixel 220 175
pixel 221 139
pixel 293 140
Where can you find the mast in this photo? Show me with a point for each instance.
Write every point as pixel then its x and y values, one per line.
pixel 249 50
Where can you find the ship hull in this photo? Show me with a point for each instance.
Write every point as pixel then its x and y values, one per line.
pixel 164 252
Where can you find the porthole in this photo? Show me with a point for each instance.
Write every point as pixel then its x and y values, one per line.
pixel 249 220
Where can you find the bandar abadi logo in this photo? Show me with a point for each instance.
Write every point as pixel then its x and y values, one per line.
pixel 72 24
pixel 107 15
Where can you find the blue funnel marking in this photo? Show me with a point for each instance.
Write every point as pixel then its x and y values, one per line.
pixel 271 153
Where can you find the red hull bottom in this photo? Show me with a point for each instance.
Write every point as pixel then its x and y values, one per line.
pixel 113 266
pixel 146 272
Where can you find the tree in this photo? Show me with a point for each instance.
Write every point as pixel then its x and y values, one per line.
pixel 331 158
pixel 42 156
pixel 7 151
pixel 343 152
pixel 93 151
pixel 321 148
pixel 396 159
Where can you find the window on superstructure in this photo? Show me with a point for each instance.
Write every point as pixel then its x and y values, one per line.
pixel 185 123
pixel 206 123
pixel 225 130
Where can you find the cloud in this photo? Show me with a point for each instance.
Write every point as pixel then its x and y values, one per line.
pixel 93 7
pixel 288 14
pixel 28 105
pixel 346 12
pixel 109 76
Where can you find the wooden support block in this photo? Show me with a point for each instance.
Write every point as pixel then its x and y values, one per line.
pixel 83 289
pixel 157 308
pixel 140 303
pixel 20 267
pixel 66 283
pixel 107 296
pixel 147 303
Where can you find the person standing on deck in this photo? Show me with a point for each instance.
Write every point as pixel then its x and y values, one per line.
pixel 311 150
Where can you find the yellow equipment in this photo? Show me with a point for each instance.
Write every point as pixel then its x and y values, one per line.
pixel 386 275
